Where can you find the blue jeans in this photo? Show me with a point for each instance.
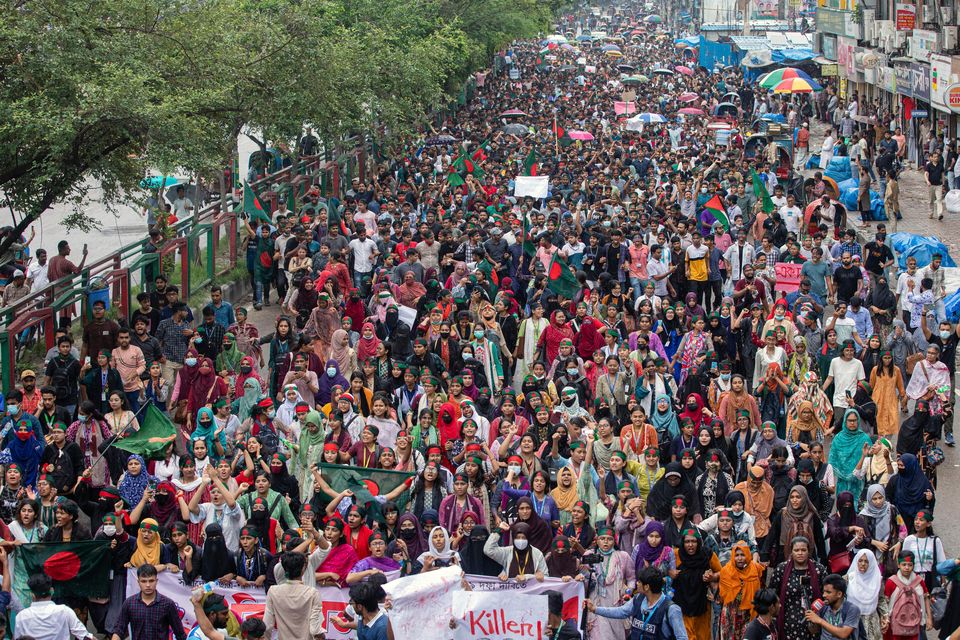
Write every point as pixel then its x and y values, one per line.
pixel 258 291
pixel 358 277
pixel 133 399
pixel 637 285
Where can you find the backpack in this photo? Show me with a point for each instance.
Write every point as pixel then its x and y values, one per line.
pixel 59 380
pixel 906 607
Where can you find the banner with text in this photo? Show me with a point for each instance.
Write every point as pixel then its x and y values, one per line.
pixel 246 602
pixel 788 276
pixel 481 614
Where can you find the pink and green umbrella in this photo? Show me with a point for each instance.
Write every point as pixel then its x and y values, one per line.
pixel 797 85
pixel 772 79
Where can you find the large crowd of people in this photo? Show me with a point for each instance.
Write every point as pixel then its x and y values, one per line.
pixel 679 429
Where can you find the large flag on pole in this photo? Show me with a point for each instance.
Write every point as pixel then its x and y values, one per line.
pixel 253 207
pixel 530 165
pixel 156 432
pixel 761 193
pixel 561 279
pixel 714 208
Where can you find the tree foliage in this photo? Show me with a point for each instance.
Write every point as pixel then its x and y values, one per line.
pixel 106 91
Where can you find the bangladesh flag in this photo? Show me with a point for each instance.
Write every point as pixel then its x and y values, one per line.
pixel 530 165
pixel 760 192
pixel 156 431
pixel 366 484
pixel 561 279
pixel 78 569
pixel 529 247
pixel 253 207
pixel 713 212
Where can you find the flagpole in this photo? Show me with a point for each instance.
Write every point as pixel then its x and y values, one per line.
pixel 117 437
pixel 556 139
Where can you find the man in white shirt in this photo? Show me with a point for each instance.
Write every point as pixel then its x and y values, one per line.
pixel 44 619
pixel 791 215
pixel 37 272
pixel 183 205
pixel 365 254
pixel 912 274
pixel 658 270
pixel 737 255
pixel 844 374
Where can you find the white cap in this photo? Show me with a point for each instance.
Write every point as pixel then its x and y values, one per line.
pixel 18 274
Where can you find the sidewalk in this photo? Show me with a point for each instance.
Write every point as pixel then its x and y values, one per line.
pixel 913 205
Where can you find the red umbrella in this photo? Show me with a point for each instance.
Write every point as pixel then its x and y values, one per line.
pixel 691 111
pixel 512 112
pixel 688 96
pixel 687 71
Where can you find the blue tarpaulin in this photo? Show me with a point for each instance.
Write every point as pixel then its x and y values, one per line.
pixel 920 247
pixel 839 169
pixel 848 198
pixel 792 55
pixel 713 54
pixel 693 41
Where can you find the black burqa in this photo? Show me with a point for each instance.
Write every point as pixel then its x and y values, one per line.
pixel 215 561
pixel 472 558
pixel 658 502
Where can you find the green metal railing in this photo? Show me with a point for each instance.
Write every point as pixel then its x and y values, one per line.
pixel 198 237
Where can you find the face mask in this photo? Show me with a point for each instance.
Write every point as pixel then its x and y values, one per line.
pixel 737 510
pixel 245 370
pixel 109 530
pixel 778 316
pixel 478 334
pixel 515 469
pixel 521 544
pixel 23 435
pixel 692 407
pixel 198 340
pixel 190 362
pixel 83 418
pixel 12 409
pixel 271 414
pixel 408 534
pixel 725 376
pixel 331 371
pixel 572 372
pixel 205 424
pixel 569 401
pixel 944 335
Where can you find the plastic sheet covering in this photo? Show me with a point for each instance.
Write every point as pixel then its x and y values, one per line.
pixel 839 169
pixel 920 247
pixel 952 201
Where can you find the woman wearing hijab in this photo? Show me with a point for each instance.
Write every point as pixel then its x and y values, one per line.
pixel 846 531
pixel 739 582
pixel 283 483
pixel 808 390
pixel 438 554
pixel 206 430
pixel 889 394
pixel 798 518
pixel 695 411
pixel 884 527
pixel 916 429
pixel 205 388
pixel 148 545
pixel 910 490
pixel 216 563
pixel 664 420
pixel 732 402
pixel 538 534
pixel 25 451
pixel 774 390
pixel 864 582
pixel 671 484
pixel 614 575
pixel 846 451
pixel 134 481
pixel 520 558
pixel 400 343
pixel 229 359
pixel 797 580
pixel 182 553
pixel 556 331
pixel 368 343
pixel 805 428
pixel 331 378
pixel 410 535
pixel 343 353
pixel 653 552
pixel 930 375
pixel 697 570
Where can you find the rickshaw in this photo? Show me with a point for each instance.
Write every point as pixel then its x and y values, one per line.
pixel 757 143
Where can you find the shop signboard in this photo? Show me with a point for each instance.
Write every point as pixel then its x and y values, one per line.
pixel 941 72
pixel 952 98
pixel 921 81
pixel 906 16
pixel 904 80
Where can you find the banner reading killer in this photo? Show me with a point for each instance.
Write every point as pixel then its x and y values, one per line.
pixel 246 602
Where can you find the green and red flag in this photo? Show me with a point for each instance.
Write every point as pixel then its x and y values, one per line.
pixel 561 279
pixel 530 165
pixel 366 484
pixel 760 192
pixel 253 207
pixel 715 208
pixel 156 432
pixel 529 246
pixel 78 569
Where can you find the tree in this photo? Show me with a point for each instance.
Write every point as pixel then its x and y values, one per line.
pixel 108 91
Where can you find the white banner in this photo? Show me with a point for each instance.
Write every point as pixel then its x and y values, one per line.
pixel 422 604
pixel 481 614
pixel 534 186
pixel 246 602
